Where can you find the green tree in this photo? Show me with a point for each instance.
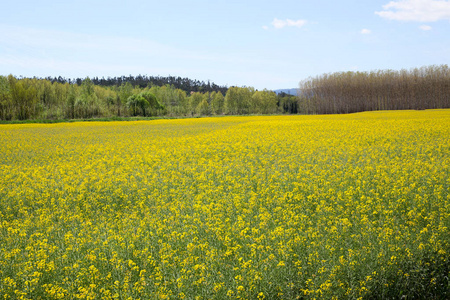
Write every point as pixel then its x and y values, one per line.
pixel 264 102
pixel 289 104
pixel 153 104
pixel 142 103
pixel 87 104
pixel 5 99
pixel 194 100
pixel 217 103
pixel 125 91
pixel 173 100
pixel 203 107
pixel 23 97
pixel 70 102
pixel 47 94
pixel 238 100
pixel 136 103
pixel 231 101
pixel 183 103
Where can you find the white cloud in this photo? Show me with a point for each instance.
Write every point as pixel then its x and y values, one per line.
pixel 416 10
pixel 366 31
pixel 265 27
pixel 278 24
pixel 425 27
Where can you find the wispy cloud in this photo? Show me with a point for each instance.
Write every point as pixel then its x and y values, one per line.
pixel 81 68
pixel 365 31
pixel 425 27
pixel 40 52
pixel 49 44
pixel 52 39
pixel 279 24
pixel 416 10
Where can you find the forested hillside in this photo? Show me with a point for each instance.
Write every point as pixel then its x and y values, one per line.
pixel 345 92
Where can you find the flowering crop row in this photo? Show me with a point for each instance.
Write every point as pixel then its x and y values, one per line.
pixel 337 206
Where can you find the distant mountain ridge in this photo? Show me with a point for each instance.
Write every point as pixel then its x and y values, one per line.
pixel 293 91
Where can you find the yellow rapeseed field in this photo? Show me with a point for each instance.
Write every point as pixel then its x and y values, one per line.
pixel 260 207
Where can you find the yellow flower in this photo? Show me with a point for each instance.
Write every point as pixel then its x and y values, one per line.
pixel 176 208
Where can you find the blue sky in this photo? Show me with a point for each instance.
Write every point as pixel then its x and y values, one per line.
pixel 264 44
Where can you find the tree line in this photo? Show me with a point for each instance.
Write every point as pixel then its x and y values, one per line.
pixel 34 98
pixel 344 92
pixel 347 92
pixel 186 84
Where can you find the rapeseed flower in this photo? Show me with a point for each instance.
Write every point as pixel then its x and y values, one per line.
pixel 336 206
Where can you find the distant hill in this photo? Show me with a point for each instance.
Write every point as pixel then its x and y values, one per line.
pixel 287 91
